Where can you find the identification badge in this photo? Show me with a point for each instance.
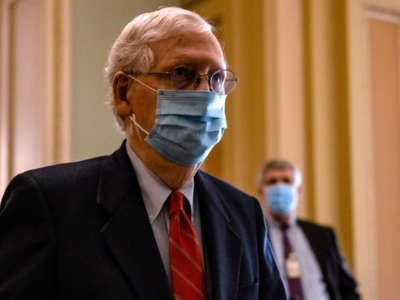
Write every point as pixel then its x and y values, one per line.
pixel 292 266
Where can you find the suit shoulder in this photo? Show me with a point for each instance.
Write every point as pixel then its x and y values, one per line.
pixel 56 181
pixel 223 186
pixel 312 224
pixel 231 198
pixel 312 227
pixel 66 172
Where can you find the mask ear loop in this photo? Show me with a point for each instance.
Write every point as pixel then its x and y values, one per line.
pixel 132 117
pixel 141 82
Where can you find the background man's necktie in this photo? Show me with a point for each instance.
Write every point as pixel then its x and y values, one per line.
pixel 184 253
pixel 292 268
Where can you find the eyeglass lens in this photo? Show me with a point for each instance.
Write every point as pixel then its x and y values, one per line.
pixel 221 81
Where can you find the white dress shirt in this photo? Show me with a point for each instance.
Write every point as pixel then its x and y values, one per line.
pixel 155 194
pixel 312 282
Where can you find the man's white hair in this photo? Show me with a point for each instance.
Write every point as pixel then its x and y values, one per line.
pixel 278 164
pixel 131 51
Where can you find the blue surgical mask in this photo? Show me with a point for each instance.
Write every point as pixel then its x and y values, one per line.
pixel 280 198
pixel 188 124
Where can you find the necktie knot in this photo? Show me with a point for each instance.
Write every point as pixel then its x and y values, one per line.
pixel 175 203
pixel 284 227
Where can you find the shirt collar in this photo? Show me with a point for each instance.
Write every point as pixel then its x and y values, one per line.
pixel 154 191
pixel 275 223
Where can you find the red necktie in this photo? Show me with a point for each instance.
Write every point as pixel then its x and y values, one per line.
pixel 184 254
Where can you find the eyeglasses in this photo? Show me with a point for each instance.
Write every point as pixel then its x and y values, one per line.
pixel 220 81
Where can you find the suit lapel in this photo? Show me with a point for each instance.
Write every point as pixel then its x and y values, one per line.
pixel 128 232
pixel 222 245
pixel 317 242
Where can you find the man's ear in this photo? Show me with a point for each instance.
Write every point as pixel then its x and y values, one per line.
pixel 260 192
pixel 300 191
pixel 120 86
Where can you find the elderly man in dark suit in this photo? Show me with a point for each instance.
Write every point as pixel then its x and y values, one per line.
pixel 307 254
pixel 144 223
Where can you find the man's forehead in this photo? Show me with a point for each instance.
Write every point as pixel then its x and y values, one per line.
pixel 278 173
pixel 189 48
pixel 195 60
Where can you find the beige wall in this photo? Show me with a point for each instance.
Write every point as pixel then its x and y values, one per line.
pixel 384 59
pixel 33 101
pixel 28 105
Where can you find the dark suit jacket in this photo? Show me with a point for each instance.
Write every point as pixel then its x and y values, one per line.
pixel 81 231
pixel 340 284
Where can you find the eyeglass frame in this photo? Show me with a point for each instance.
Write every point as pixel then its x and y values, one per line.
pixel 170 73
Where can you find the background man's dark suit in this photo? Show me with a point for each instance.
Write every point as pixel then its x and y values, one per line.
pixel 316 258
pixel 81 231
pixel 339 282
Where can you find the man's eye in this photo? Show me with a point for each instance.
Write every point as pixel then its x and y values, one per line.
pixel 219 77
pixel 182 74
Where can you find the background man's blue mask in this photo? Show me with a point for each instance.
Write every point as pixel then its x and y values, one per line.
pixel 280 198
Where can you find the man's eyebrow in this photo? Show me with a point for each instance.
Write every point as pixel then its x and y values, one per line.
pixel 187 58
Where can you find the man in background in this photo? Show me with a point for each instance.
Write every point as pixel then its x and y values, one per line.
pixel 143 223
pixel 307 254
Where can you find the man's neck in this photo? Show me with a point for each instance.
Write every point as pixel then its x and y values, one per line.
pixel 172 174
pixel 283 218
